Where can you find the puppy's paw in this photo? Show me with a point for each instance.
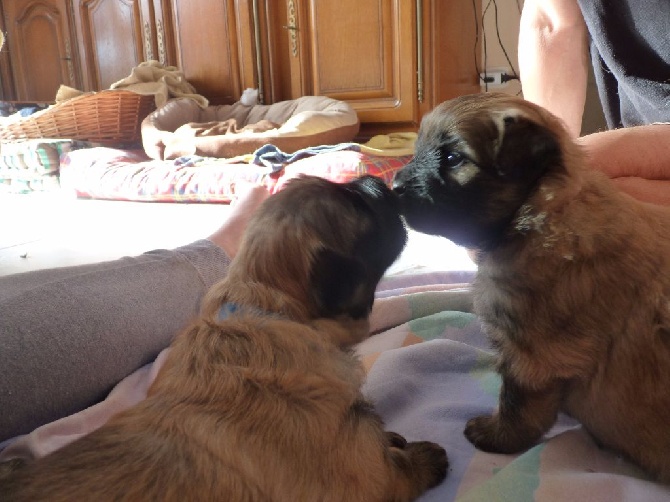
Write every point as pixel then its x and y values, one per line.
pixel 481 432
pixel 429 460
pixel 418 467
pixel 488 433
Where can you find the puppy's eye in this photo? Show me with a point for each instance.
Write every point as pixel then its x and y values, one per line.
pixel 451 159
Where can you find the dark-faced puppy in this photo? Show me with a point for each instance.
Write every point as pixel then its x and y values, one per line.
pixel 573 282
pixel 260 398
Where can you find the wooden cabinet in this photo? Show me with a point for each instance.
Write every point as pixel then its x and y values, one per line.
pixel 158 32
pixel 361 51
pixel 393 60
pixel 213 44
pixel 40 40
pixel 116 35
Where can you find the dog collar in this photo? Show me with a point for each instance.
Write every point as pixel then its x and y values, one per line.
pixel 229 310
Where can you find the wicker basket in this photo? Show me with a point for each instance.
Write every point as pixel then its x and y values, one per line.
pixel 107 117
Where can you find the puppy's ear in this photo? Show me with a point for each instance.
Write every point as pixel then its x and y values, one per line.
pixel 339 285
pixel 527 151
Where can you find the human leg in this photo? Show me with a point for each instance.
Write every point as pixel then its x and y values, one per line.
pixel 68 335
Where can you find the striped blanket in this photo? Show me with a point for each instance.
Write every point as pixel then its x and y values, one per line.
pixel 430 369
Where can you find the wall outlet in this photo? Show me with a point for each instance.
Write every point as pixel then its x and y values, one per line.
pixel 494 77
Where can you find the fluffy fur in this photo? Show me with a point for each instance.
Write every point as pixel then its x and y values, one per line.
pixel 573 282
pixel 264 404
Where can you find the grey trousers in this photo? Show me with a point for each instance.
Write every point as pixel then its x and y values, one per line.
pixel 68 335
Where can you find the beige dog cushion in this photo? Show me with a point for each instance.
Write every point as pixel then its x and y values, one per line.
pixel 181 127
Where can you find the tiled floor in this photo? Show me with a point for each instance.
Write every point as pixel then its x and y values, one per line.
pixel 53 230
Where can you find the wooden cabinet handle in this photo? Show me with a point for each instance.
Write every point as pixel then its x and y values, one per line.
pixel 148 49
pixel 259 56
pixel 293 28
pixel 160 39
pixel 419 50
pixel 70 65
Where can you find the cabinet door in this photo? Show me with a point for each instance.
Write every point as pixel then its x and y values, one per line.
pixel 39 40
pixel 393 60
pixel 111 35
pixel 359 51
pixel 208 48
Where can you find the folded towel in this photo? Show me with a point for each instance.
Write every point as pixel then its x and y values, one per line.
pixel 164 82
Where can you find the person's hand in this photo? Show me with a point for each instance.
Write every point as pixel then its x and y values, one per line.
pixel 229 236
pixel 636 158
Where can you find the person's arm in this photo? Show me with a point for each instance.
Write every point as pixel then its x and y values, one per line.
pixel 553 58
pixel 636 158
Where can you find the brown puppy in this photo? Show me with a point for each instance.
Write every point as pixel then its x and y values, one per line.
pixel 573 283
pixel 258 400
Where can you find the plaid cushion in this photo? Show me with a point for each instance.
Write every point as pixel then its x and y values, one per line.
pixel 344 166
pixel 33 164
pixel 107 173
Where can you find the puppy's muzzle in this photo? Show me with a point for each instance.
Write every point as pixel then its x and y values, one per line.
pixel 400 179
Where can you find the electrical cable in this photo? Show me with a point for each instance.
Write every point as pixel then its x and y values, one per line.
pixel 475 51
pixel 485 79
pixel 515 74
pixel 483 76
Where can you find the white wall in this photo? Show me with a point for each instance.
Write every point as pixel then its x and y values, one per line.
pixel 507 22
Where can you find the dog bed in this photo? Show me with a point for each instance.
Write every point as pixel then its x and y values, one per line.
pixel 182 128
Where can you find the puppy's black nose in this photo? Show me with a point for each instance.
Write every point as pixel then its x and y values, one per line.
pixel 398 186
